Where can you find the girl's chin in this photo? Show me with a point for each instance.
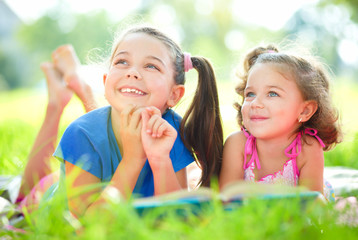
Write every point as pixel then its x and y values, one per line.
pixel 125 105
pixel 120 107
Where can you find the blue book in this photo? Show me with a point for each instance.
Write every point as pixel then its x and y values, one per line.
pixel 231 197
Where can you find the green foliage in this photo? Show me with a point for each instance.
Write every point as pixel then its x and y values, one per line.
pixel 344 155
pixel 8 71
pixel 255 219
pixel 210 29
pixel 85 32
pixel 201 34
pixel 91 31
pixel 351 5
pixel 16 138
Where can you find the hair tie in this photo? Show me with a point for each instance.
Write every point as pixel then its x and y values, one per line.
pixel 271 51
pixel 188 64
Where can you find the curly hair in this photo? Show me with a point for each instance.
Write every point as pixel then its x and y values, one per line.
pixel 312 80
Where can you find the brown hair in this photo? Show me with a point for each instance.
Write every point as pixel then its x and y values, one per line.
pixel 201 126
pixel 312 80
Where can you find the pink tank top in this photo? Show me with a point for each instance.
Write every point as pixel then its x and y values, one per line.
pixel 289 173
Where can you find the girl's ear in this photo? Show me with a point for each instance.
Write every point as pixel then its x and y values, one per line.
pixel 176 94
pixel 310 107
pixel 104 78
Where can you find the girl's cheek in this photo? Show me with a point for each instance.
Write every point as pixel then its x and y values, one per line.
pixel 243 110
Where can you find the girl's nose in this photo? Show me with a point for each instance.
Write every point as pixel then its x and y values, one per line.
pixel 133 73
pixel 257 103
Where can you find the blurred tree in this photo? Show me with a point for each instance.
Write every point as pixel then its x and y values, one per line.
pixel 310 30
pixel 8 71
pixel 12 65
pixel 203 27
pixel 209 28
pixel 83 31
pixel 91 31
pixel 329 31
pixel 351 5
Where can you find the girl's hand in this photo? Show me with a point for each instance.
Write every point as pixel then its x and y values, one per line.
pixel 158 136
pixel 130 133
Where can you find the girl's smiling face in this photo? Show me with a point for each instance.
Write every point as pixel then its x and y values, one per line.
pixel 142 74
pixel 272 104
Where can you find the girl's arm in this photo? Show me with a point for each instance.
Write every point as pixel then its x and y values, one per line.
pixel 158 138
pixel 165 178
pixel 77 178
pixel 128 134
pixel 311 167
pixel 233 159
pixel 124 180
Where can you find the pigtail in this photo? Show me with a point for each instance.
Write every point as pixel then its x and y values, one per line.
pixel 201 127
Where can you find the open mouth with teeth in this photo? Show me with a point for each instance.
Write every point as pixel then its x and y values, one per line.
pixel 132 91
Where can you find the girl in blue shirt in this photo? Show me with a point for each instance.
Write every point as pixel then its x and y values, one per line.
pixel 133 144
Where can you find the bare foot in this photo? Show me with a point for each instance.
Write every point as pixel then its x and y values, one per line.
pixel 67 62
pixel 58 93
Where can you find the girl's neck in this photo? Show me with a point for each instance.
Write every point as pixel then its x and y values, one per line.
pixel 274 147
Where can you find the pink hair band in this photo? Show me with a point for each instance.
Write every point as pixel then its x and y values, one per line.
pixel 188 64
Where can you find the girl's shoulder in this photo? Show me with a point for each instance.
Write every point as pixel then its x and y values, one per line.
pixel 233 158
pixel 94 118
pixel 102 112
pixel 311 150
pixel 90 125
pixel 172 118
pixel 236 138
pixel 311 143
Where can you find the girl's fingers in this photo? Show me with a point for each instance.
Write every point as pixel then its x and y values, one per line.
pixel 156 122
pixel 153 124
pixel 154 111
pixel 162 128
pixel 126 114
pixel 157 126
pixel 135 118
pixel 145 119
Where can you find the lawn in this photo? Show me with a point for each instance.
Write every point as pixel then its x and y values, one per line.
pixel 21 113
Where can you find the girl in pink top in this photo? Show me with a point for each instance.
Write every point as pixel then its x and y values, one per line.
pixel 286 119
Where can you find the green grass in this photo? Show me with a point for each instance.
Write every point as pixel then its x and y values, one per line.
pixel 16 137
pixel 21 113
pixel 255 219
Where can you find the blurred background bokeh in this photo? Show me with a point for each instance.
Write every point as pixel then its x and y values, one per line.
pixel 221 30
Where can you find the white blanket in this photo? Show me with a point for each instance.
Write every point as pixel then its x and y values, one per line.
pixel 342 179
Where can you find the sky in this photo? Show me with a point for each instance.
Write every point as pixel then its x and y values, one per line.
pixel 271 13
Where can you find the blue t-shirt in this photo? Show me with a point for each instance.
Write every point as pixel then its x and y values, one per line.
pixel 90 144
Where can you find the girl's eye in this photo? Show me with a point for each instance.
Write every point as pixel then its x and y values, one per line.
pixel 249 94
pixel 121 61
pixel 272 94
pixel 152 66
